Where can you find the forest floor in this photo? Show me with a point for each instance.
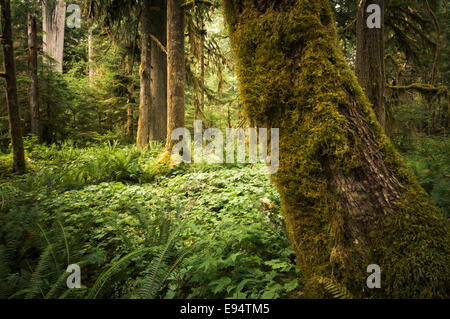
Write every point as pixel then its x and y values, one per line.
pixel 108 205
pixel 194 231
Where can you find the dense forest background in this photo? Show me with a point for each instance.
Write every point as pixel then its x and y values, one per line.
pixel 95 192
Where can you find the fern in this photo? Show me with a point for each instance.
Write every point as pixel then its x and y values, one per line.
pixel 50 246
pixel 38 273
pixel 159 269
pixel 3 272
pixel 104 277
pixel 66 244
pixel 142 223
pixel 182 255
pixel 336 290
pixel 19 293
pixel 58 284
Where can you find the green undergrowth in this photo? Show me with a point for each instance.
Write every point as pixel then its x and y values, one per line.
pixel 429 159
pixel 195 231
pixel 100 207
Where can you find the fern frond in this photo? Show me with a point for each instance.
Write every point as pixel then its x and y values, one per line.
pixel 3 272
pixel 177 262
pixel 334 289
pixel 19 293
pixel 153 282
pixel 95 290
pixel 38 273
pixel 50 246
pixel 142 223
pixel 65 242
pixel 157 276
pixel 56 285
pixel 62 278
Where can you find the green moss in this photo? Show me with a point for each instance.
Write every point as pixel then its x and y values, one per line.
pixel 293 75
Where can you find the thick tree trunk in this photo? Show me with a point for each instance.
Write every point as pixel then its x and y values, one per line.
pixel 33 88
pixel 349 200
pixel 145 73
pixel 175 69
pixel 158 113
pixel 53 23
pixel 15 126
pixel 370 58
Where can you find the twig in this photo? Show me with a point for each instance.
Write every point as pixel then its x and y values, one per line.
pixel 161 46
pixel 193 2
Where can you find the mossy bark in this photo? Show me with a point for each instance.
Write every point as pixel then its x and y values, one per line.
pixel 158 111
pixel 145 73
pixel 349 200
pixel 175 69
pixel 130 98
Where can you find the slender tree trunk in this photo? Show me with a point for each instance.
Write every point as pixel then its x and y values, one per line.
pixel 175 69
pixel 202 62
pixel 90 57
pixel 33 88
pixel 145 73
pixel 53 23
pixel 130 101
pixel 229 115
pixel 370 58
pixel 199 101
pixel 15 126
pixel 158 114
pixel 348 199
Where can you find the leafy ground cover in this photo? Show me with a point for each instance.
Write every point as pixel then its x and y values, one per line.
pixel 194 232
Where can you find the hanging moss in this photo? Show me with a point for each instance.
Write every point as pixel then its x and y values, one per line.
pixel 293 75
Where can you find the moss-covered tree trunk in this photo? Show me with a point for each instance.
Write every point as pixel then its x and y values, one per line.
pixel 158 111
pixel 12 104
pixel 175 69
pixel 349 200
pixel 369 65
pixel 145 73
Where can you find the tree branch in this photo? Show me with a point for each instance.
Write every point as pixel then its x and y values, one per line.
pixel 193 2
pixel 423 88
pixel 160 45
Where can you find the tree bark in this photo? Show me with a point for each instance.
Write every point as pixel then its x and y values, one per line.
pixel 53 23
pixel 175 69
pixel 199 84
pixel 370 58
pixel 33 88
pixel 348 199
pixel 130 101
pixel 145 73
pixel 158 114
pixel 15 126
pixel 202 61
